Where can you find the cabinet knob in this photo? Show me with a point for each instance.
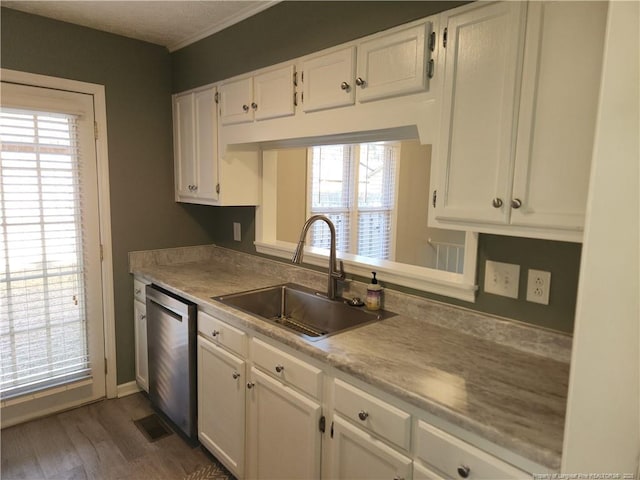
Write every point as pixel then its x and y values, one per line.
pixel 497 202
pixel 345 86
pixel 464 471
pixel 143 316
pixel 360 82
pixel 250 385
pixel 245 107
pixel 362 415
pixel 516 203
pixel 398 478
pixel 254 105
pixel 138 291
pixel 236 376
pixel 215 333
pixel 279 368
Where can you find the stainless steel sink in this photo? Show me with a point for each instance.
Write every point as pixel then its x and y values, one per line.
pixel 302 310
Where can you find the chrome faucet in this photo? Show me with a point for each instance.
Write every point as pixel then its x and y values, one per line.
pixel 334 273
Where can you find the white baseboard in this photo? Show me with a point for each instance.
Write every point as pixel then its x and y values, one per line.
pixel 128 388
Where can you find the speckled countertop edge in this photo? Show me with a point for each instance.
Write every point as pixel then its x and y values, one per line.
pixel 198 273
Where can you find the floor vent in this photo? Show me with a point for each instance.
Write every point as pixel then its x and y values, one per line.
pixel 153 428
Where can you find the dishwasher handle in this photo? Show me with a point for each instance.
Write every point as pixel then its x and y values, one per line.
pixel 167 300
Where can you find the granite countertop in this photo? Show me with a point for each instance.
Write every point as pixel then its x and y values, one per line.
pixel 513 398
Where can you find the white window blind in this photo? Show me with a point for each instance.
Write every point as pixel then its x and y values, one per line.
pixel 43 327
pixel 355 186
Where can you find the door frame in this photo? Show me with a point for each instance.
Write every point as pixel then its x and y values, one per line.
pixel 102 158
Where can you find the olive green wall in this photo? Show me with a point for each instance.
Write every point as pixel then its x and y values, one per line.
pixel 137 79
pixel 292 29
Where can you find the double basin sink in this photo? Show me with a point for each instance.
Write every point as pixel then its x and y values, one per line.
pixel 302 310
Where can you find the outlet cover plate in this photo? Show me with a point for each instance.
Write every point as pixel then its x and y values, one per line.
pixel 501 278
pixel 538 286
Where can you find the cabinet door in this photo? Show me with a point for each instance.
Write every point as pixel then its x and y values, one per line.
pixel 420 472
pixel 357 455
pixel 393 65
pixel 273 94
pixel 284 437
pixel 140 335
pixel 328 80
pixel 235 101
pixel 558 112
pixel 221 404
pixel 206 144
pixel 483 58
pixel 184 145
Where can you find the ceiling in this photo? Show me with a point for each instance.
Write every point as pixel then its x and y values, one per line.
pixel 173 24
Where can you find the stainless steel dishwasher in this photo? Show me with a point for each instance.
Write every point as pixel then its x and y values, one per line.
pixel 171 337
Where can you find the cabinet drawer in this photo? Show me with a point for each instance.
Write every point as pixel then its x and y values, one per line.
pixel 222 333
pixel 451 455
pixel 373 414
pixel 138 290
pixel 287 368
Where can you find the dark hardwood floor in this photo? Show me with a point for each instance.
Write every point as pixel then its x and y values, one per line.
pixel 97 441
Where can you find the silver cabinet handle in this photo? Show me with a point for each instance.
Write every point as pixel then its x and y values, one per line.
pixel 362 415
pixel 497 202
pixel 360 82
pixel 345 86
pixel 516 203
pixel 250 385
pixel 279 368
pixel 215 333
pixel 245 107
pixel 254 105
pixel 235 375
pixel 464 471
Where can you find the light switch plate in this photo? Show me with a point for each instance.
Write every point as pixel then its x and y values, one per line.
pixel 237 234
pixel 501 278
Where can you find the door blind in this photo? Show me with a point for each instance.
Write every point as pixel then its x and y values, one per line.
pixel 43 327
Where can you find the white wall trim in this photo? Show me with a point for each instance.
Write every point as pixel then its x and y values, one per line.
pixel 129 388
pixel 102 156
pixel 219 26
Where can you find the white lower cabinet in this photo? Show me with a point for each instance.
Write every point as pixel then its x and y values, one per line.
pixel 221 404
pixel 140 334
pixel 260 412
pixel 283 433
pixel 355 454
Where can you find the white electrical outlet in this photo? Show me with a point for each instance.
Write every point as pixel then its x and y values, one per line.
pixel 538 286
pixel 501 278
pixel 237 235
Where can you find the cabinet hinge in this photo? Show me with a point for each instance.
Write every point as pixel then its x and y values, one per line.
pixel 434 198
pixel 216 97
pixel 101 252
pixel 217 188
pixel 444 38
pixel 295 79
pixel 302 76
pixel 432 41
pixel 295 99
pixel 105 367
pixel 331 429
pixel 322 423
pixel 302 97
pixel 95 130
pixel 430 68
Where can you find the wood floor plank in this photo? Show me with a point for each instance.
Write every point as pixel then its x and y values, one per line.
pixel 96 442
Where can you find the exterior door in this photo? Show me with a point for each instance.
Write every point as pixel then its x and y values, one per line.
pixel 51 310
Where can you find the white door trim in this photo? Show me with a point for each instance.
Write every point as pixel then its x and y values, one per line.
pixel 102 155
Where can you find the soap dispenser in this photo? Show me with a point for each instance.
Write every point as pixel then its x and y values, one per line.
pixel 374 294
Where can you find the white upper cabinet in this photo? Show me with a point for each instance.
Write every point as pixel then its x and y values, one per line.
pixel 263 96
pixel 394 64
pixel 483 47
pixel 328 80
pixel 561 81
pixel 196 145
pixel 518 117
pixel 388 65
